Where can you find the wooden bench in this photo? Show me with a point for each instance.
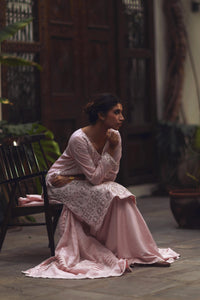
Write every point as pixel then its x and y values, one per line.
pixel 23 167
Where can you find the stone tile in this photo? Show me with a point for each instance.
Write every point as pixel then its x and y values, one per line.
pixel 28 247
pixel 77 295
pixel 129 285
pixel 179 292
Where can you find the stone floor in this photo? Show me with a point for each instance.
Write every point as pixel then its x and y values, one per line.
pixel 26 248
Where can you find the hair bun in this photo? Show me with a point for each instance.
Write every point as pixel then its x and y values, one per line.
pixel 89 107
pixel 100 103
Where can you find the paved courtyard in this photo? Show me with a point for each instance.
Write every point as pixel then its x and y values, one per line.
pixel 25 248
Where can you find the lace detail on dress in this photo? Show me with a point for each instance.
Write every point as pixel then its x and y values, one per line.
pixel 109 159
pixel 87 201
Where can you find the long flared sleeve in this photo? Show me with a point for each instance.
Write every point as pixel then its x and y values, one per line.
pixel 112 174
pixel 106 168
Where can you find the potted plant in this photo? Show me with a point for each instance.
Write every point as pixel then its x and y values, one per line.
pixel 185 201
pixel 173 141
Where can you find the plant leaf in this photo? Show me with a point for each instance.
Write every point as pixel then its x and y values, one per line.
pixel 11 29
pixel 5 101
pixel 196 141
pixel 12 60
pixel 192 177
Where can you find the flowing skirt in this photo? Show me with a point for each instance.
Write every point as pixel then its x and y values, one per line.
pixel 96 249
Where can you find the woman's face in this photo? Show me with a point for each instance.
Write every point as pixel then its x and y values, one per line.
pixel 114 117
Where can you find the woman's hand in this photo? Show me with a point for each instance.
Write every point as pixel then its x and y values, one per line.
pixel 60 180
pixel 113 139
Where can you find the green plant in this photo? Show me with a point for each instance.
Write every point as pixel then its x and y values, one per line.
pixel 194 154
pixel 174 146
pixel 50 146
pixel 13 60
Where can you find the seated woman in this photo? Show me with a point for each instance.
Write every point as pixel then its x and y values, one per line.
pixel 102 231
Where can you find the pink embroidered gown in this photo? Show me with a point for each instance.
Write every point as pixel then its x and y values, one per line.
pixel 101 230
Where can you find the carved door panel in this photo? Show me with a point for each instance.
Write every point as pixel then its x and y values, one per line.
pixel 78 60
pixel 99 61
pixel 137 88
pixel 61 78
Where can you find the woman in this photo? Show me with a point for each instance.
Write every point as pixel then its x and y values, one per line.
pixel 102 231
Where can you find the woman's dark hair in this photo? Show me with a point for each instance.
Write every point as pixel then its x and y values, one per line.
pixel 100 103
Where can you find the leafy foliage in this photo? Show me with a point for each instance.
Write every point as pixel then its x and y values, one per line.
pixel 12 60
pixel 51 147
pixel 11 29
pixel 173 139
pixel 174 142
pixel 5 101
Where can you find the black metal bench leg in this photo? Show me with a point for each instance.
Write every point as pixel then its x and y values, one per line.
pixel 49 223
pixel 49 226
pixel 4 228
pixel 5 222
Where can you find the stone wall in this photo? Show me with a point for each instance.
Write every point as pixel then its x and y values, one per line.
pixel 191 106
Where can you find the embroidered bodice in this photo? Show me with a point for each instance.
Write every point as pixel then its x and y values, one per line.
pixel 80 157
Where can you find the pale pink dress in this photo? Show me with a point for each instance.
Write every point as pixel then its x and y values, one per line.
pixel 101 230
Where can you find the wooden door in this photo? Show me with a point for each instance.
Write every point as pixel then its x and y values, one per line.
pixel 99 51
pixel 137 88
pixel 78 58
pixel 60 79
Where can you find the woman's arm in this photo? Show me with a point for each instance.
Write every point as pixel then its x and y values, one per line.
pixel 78 148
pixel 114 141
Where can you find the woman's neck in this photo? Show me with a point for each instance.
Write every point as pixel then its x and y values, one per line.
pixel 97 134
